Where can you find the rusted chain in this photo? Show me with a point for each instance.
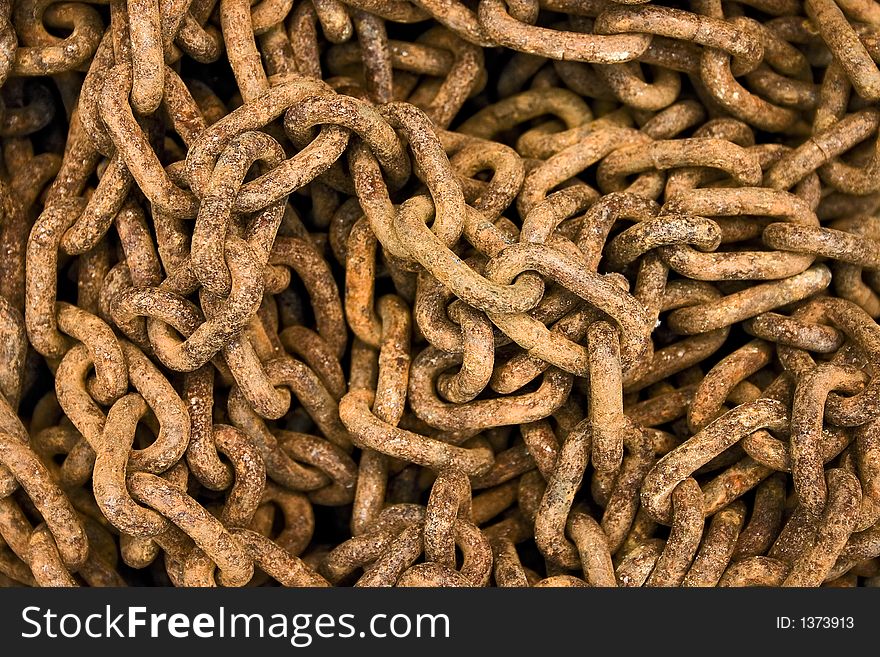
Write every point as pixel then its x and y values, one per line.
pixel 379 304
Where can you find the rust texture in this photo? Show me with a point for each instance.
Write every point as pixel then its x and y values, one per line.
pixel 440 293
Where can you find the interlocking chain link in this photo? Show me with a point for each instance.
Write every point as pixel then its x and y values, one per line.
pixel 440 293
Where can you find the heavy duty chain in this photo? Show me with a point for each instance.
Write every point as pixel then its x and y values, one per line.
pixel 440 293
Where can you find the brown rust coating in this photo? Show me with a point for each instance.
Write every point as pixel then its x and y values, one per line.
pixel 684 537
pixel 836 524
pixel 380 305
pixel 717 548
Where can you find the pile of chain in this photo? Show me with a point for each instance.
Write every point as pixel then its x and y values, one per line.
pixel 439 293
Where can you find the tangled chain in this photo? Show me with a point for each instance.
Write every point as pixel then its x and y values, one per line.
pixel 440 293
